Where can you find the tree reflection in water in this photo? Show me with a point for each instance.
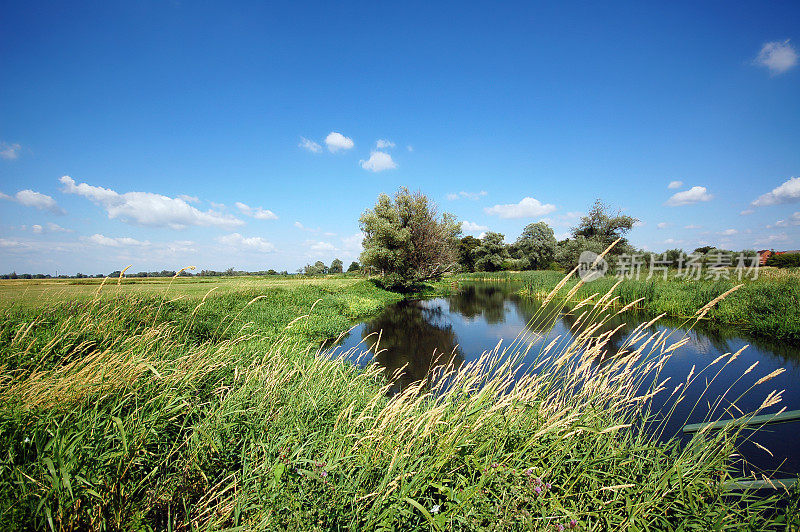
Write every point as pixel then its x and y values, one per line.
pixel 416 337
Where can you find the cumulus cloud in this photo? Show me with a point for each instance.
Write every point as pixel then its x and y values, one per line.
pixel 786 192
pixel 336 141
pixel 352 243
pixel 189 199
pixel 687 197
pixel 383 144
pixel 729 232
pixel 772 239
pixel 468 195
pixel 310 145
pixel 29 198
pixel 675 184
pixel 472 227
pixel 253 243
pixel 322 247
pixel 662 225
pixel 747 212
pixel 102 240
pixel 149 209
pixel 777 56
pixel 526 208
pixel 9 151
pixel 49 227
pixel 256 212
pixel 378 162
pixel 692 226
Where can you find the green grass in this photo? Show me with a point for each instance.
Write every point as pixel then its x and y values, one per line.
pixel 148 413
pixel 767 306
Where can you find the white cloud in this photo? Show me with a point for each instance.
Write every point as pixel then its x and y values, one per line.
pixel 771 239
pixel 410 147
pixel 472 227
pixel 692 226
pixel 786 192
pixel 9 151
pixel 794 219
pixel 300 226
pixel 747 212
pixel 378 162
pixel 49 227
pixel 468 195
pixel 382 144
pixel 310 145
pixel 675 184
pixel 729 232
pixel 322 247
pixel 253 243
pixel 189 199
pixel 352 243
pixel 673 241
pixel 662 225
pixel 526 208
pixel 777 56
pixel 149 209
pixel 687 197
pixel 258 213
pixel 639 223
pixel 337 141
pixel 102 240
pixel 29 198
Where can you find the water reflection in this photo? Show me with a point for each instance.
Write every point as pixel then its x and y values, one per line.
pixel 420 336
pixel 427 342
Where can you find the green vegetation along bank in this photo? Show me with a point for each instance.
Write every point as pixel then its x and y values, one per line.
pixel 767 306
pixel 155 412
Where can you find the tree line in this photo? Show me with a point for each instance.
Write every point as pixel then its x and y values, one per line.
pixel 407 242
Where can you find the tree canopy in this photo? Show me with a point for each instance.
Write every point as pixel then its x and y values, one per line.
pixel 407 241
pixel 536 246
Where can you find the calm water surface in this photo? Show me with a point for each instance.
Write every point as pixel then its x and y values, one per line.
pixel 424 333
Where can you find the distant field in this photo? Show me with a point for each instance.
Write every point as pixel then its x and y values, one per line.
pixel 33 292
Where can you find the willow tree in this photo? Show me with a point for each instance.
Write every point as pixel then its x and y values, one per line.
pixel 407 241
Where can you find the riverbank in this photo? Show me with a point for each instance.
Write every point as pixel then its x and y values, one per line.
pixel 767 306
pixel 157 412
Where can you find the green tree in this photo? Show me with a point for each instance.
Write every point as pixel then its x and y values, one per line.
pixel 536 246
pixel 315 269
pixel 603 225
pixel 336 266
pixel 492 252
pixel 595 232
pixel 354 267
pixel 466 252
pixel 407 241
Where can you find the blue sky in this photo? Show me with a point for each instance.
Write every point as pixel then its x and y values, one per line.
pixel 247 134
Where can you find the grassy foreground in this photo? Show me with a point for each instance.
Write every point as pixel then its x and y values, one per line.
pixel 766 306
pixel 147 413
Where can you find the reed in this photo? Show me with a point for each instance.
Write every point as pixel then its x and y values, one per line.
pixel 157 413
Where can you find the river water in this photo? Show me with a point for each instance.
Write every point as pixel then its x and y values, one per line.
pixel 420 334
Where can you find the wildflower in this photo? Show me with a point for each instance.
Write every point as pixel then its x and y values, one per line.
pixel 560 527
pixel 27 440
pixel 573 523
pixel 324 473
pixel 435 509
pixel 538 490
pixel 548 485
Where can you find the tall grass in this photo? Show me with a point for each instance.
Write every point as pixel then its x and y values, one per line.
pixel 764 307
pixel 145 414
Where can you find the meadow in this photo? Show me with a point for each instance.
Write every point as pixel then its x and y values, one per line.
pixel 201 406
